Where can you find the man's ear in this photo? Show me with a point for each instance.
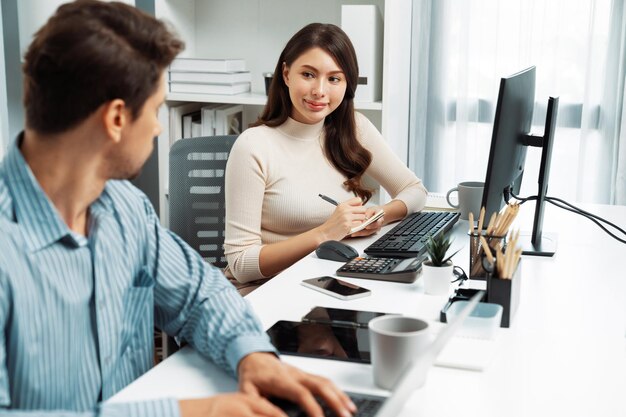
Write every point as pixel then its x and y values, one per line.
pixel 114 118
pixel 286 74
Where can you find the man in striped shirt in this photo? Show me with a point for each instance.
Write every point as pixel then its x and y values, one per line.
pixel 86 270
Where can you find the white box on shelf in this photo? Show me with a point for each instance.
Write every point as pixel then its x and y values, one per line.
pixel 191 125
pixel 208 65
pixel 196 128
pixel 364 25
pixel 208 119
pixel 229 120
pixel 199 88
pixel 210 77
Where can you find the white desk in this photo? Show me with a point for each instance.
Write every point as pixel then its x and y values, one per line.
pixel 564 355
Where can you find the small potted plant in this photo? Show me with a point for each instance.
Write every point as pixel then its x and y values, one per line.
pixel 437 271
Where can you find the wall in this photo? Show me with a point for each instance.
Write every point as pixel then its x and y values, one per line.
pixel 4 116
pixel 32 14
pixel 12 85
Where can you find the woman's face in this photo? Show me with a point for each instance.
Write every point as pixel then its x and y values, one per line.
pixel 316 86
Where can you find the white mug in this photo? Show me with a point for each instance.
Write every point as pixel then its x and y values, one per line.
pixel 395 341
pixel 470 198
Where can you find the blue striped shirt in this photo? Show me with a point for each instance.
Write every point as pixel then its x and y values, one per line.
pixel 77 313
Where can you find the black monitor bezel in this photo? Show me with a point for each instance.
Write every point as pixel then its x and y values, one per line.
pixel 520 85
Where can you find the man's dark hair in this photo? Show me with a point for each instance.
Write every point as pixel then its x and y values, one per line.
pixel 89 53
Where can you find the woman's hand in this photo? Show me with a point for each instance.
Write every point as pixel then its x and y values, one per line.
pixel 371 228
pixel 348 214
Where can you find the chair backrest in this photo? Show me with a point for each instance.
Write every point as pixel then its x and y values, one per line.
pixel 196 194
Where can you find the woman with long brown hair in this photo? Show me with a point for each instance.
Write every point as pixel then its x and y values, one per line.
pixel 309 141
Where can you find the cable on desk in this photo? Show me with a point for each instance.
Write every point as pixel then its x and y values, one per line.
pixel 577 210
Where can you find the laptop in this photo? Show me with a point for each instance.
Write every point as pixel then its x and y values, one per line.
pixel 412 379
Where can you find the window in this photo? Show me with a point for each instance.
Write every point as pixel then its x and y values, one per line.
pixel 462 48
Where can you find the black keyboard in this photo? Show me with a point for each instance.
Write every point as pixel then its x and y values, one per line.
pixel 367 406
pixel 408 239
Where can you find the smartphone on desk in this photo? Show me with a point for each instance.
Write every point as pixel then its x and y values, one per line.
pixel 336 288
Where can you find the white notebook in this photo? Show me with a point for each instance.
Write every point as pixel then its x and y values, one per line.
pixel 468 353
pixel 438 201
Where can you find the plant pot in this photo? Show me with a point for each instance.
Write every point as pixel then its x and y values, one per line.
pixel 437 279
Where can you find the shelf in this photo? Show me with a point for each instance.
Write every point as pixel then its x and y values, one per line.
pixel 250 99
pixel 244 98
pixel 257 31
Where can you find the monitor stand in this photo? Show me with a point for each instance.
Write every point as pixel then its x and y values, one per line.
pixel 539 243
pixel 546 245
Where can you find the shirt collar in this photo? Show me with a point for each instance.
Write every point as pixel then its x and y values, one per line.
pixel 34 212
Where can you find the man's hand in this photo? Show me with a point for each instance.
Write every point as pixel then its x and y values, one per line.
pixel 229 405
pixel 264 374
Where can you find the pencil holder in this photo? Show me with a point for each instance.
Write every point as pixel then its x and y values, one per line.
pixel 505 292
pixel 476 269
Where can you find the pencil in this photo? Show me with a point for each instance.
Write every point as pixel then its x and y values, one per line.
pixel 498 225
pixel 512 213
pixel 492 222
pixel 471 223
pixel 330 200
pixel 516 259
pixel 499 261
pixel 487 250
pixel 481 217
pixel 509 257
pixel 502 219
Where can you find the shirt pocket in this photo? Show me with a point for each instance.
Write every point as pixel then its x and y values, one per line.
pixel 138 307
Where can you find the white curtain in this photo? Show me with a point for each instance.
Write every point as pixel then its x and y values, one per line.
pixel 619 27
pixel 461 49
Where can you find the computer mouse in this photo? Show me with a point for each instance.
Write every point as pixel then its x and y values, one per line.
pixel 336 251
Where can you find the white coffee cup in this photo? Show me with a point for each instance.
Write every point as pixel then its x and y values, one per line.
pixel 395 341
pixel 470 198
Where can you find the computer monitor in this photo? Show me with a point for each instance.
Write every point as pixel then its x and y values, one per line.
pixel 507 155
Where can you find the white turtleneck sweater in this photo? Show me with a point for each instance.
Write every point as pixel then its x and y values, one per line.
pixel 274 176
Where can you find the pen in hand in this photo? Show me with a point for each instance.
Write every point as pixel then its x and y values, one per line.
pixel 330 200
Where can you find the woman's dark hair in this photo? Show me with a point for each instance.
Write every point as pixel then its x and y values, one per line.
pixel 89 53
pixel 341 145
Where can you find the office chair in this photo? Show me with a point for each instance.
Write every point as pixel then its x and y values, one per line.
pixel 196 194
pixel 196 197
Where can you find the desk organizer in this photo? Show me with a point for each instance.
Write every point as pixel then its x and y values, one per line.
pixel 476 270
pixel 505 292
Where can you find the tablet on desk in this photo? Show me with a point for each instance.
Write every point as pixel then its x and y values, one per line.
pixel 345 343
pixel 340 317
pixel 318 340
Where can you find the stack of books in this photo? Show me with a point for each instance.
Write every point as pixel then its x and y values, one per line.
pixel 209 76
pixel 190 120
